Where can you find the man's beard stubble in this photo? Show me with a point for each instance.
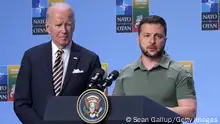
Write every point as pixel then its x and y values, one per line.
pixel 159 54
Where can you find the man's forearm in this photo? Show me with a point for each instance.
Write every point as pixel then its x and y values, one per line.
pixel 186 112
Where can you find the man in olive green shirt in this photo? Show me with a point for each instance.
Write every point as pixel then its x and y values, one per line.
pixel 155 75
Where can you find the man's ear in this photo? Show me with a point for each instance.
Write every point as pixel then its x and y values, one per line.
pixel 73 25
pixel 138 38
pixel 165 41
pixel 48 27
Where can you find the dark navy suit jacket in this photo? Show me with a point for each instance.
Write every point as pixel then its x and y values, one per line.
pixel 34 82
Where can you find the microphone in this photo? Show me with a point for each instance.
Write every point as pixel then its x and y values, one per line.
pixel 97 75
pixel 108 81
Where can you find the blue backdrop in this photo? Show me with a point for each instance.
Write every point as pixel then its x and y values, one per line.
pixel 95 29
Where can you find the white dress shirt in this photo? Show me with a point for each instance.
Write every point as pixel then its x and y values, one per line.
pixel 65 56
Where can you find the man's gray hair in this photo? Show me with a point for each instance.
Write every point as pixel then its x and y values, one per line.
pixel 62 5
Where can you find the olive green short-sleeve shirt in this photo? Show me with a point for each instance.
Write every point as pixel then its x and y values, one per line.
pixel 166 83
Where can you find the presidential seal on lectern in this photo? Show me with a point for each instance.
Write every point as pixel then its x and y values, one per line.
pixel 92 106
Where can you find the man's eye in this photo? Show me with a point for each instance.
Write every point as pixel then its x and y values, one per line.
pixel 159 36
pixel 58 25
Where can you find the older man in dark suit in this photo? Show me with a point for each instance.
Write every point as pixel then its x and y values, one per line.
pixel 59 67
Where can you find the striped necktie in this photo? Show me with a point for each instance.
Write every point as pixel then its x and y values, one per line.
pixel 58 73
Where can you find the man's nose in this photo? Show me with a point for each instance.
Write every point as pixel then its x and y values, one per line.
pixel 64 29
pixel 152 40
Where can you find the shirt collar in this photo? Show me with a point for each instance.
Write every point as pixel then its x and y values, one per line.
pixel 66 50
pixel 164 62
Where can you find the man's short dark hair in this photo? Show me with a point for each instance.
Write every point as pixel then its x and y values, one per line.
pixel 153 19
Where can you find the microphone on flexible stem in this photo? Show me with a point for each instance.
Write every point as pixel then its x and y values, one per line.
pixel 108 81
pixel 97 75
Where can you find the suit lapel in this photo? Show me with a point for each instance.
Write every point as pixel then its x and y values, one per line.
pixel 73 60
pixel 48 67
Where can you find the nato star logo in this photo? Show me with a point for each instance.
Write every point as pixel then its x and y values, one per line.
pixel 209 5
pixel 124 7
pixel 39 8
